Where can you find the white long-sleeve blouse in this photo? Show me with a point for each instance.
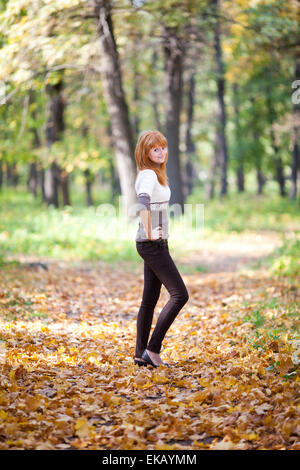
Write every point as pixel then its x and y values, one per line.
pixel 155 197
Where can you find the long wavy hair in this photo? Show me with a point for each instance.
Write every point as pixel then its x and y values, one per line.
pixel 147 140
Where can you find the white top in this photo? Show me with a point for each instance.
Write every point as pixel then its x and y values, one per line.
pixel 147 183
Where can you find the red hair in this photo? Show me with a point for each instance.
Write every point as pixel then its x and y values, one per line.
pixel 146 141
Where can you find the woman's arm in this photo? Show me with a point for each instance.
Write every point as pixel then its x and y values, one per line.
pixel 145 214
pixel 144 189
pixel 146 221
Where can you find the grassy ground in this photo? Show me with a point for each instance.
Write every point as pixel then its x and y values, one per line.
pixel 84 233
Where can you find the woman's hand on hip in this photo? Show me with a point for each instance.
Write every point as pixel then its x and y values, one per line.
pixel 155 234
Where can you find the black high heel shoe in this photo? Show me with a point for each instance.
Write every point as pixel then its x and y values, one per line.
pixel 148 360
pixel 140 363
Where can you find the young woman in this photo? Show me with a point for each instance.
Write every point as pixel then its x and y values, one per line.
pixel 153 192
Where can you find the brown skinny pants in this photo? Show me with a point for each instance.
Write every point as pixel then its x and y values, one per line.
pixel 159 268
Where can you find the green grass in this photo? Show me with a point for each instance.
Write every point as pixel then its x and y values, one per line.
pixel 284 261
pixel 27 227
pixel 256 318
pixel 248 211
pixel 81 233
pixel 275 320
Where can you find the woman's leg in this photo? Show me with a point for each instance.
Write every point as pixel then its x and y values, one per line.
pixel 167 272
pixel 151 292
pixel 163 266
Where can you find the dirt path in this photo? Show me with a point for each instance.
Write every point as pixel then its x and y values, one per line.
pixel 233 253
pixel 67 343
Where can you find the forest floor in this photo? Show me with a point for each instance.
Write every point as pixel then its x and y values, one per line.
pixel 67 343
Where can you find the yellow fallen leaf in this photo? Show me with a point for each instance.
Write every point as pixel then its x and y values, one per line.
pixel 261 409
pixel 3 414
pixel 33 403
pixel 285 364
pixel 82 427
pixel 204 382
pixel 160 379
pixel 12 374
pixel 197 396
pixel 250 437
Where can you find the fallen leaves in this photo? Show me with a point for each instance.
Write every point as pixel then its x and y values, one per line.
pixel 68 380
pixel 83 429
pixel 261 409
pixel 285 364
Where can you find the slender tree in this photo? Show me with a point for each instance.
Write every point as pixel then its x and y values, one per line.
pixel 116 102
pixel 155 93
pixel 239 158
pixel 213 169
pixel 173 53
pixel 295 135
pixel 189 143
pixel 33 180
pixel 54 129
pixel 222 118
pixel 279 174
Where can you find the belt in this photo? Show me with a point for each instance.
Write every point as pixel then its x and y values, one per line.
pixel 160 241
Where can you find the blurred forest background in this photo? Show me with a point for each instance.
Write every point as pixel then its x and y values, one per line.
pixel 79 80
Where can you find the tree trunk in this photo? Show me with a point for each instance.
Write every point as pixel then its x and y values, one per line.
pixel 295 163
pixel 3 163
pixel 54 126
pixel 32 181
pixel 88 186
pixel 136 96
pixel 190 146
pixel 260 179
pixel 295 137
pixel 116 188
pixel 64 185
pixel 280 175
pixel 88 175
pixel 240 177
pixel 173 52
pixel 9 174
pixel 1 174
pixel 116 103
pixel 214 165
pixel 114 177
pixel 55 176
pixel 15 175
pixel 277 159
pixel 51 185
pixel 12 176
pixel 221 123
pixel 41 180
pixel 256 131
pixel 155 95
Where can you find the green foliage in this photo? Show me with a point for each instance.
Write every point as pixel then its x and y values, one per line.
pixel 247 211
pixel 255 317
pixel 78 232
pixel 275 320
pixel 275 22
pixel 286 260
pixel 37 40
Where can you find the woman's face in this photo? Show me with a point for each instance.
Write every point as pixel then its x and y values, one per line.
pixel 158 154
